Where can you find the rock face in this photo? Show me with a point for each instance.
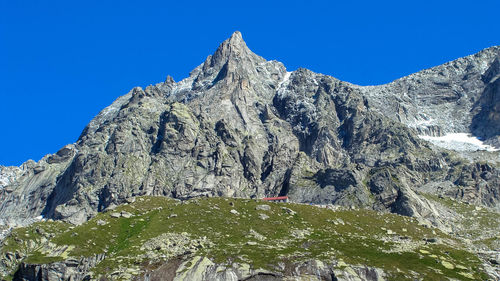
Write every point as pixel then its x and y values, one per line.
pixel 73 269
pixel 486 121
pixel 450 98
pixel 242 126
pixel 202 268
pixel 9 175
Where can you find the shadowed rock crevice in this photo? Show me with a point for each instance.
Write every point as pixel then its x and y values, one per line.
pixel 285 186
pixel 486 123
pixel 160 135
pixel 63 192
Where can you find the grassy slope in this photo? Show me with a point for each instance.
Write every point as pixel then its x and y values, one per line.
pixel 478 224
pixel 354 236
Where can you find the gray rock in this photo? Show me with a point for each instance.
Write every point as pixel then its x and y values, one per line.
pixel 263 207
pixel 9 175
pixel 254 234
pixel 263 217
pixel 288 211
pixel 70 269
pixel 125 214
pixel 202 268
pixel 115 215
pixel 111 207
pixel 432 240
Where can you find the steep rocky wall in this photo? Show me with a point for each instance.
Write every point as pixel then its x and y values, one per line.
pixel 441 99
pixel 72 269
pixel 201 269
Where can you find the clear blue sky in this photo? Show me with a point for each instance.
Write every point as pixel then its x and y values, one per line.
pixel 61 62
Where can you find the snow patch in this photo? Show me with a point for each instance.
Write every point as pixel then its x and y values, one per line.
pixel 182 86
pixel 4 180
pixel 9 175
pixel 285 80
pixel 423 122
pixel 459 142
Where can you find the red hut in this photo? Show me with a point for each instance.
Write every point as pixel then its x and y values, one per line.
pixel 276 199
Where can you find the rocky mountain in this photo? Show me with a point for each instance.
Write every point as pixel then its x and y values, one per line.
pixel 242 126
pixel 443 99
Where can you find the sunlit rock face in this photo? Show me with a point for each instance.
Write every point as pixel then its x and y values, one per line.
pixel 242 126
pixel 456 97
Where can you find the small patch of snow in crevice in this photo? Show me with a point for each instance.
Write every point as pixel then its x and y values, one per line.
pixel 4 180
pixel 422 121
pixel 286 77
pixel 283 82
pixel 9 175
pixel 459 142
pixel 182 86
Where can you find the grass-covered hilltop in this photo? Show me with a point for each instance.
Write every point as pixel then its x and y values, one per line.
pixel 157 238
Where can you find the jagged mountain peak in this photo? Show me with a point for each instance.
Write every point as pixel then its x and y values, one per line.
pixel 236 40
pixel 232 49
pixel 232 59
pixel 232 72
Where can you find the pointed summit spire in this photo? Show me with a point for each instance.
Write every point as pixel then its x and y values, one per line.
pixel 231 48
pixel 236 39
pixel 232 59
